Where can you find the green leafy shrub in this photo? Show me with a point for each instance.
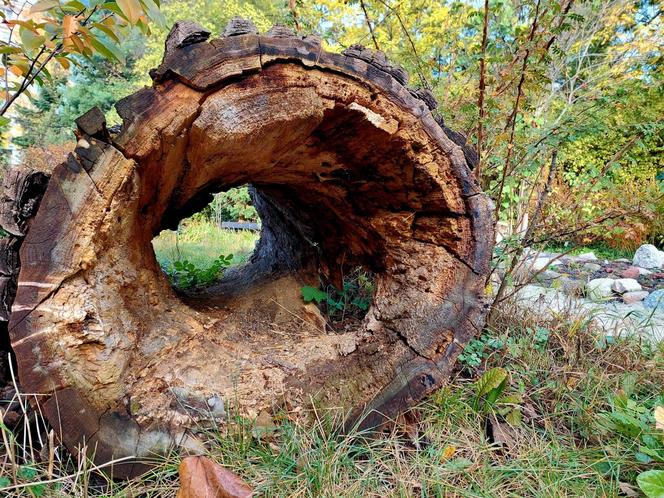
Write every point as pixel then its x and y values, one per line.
pixel 352 301
pixel 184 274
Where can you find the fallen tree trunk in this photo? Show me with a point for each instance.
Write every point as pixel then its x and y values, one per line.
pixel 348 167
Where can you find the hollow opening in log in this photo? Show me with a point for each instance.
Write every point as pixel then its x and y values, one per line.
pixel 202 248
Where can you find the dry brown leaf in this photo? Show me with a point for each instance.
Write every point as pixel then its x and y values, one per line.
pixel 628 490
pixel 200 477
pixel 503 434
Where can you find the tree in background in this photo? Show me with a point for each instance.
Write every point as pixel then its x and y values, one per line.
pixel 57 32
pixel 67 95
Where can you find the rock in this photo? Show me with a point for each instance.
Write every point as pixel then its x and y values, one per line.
pixel 634 297
pixel 541 263
pixel 216 405
pixel 623 285
pixel 592 266
pixel 586 256
pixel 643 272
pixel 547 276
pixel 622 260
pixel 655 300
pixel 631 272
pixel 648 256
pixel 200 477
pixel 571 286
pixel 600 288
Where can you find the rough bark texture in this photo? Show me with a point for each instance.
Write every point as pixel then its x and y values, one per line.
pixel 348 167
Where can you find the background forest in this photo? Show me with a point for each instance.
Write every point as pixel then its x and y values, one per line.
pixel 526 81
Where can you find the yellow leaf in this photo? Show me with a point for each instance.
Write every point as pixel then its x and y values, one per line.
pixel 64 62
pixel 69 26
pixel 131 9
pixel 659 417
pixel 16 70
pixel 448 453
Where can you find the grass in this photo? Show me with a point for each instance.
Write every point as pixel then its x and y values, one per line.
pixel 576 434
pixel 601 251
pixel 579 405
pixel 201 242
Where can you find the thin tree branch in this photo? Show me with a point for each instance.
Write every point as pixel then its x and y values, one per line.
pixel 368 21
pixel 511 122
pixel 482 89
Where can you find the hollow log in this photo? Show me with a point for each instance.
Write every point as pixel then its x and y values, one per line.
pixel 348 168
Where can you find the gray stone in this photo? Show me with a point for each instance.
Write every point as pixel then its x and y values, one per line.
pixel 541 263
pixel 571 286
pixel 643 271
pixel 216 405
pixel 586 256
pixel 648 256
pixel 623 285
pixel 547 276
pixel 655 300
pixel 634 297
pixel 622 260
pixel 599 288
pixel 592 267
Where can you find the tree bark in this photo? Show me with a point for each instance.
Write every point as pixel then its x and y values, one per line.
pixel 348 168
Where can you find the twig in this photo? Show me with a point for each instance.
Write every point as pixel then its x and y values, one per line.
pixel 482 88
pixel 516 257
pixel 511 122
pixel 368 21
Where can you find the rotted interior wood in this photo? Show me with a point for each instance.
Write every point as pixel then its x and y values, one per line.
pixel 348 167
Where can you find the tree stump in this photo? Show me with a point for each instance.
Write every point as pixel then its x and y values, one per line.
pixel 348 167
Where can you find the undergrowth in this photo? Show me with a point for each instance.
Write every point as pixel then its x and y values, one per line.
pixel 549 409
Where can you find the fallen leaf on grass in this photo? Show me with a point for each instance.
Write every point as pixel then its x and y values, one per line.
pixel 502 434
pixel 659 417
pixel 200 477
pixel 628 490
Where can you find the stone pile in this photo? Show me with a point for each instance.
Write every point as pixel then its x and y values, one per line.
pixel 639 282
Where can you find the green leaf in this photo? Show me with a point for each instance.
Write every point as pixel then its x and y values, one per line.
pixel 76 5
pixel 458 464
pixel 651 483
pixel 4 121
pixel 7 49
pixel 312 294
pixel 154 13
pixel 491 380
pixel 109 51
pixel 30 40
pixel 5 482
pixel 107 30
pixel 27 472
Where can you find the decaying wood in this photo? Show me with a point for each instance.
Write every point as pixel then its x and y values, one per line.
pixel 348 168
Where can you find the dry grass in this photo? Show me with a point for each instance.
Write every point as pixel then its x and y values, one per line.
pixel 565 384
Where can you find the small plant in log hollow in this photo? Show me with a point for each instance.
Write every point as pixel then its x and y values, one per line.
pixel 185 275
pixel 352 301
